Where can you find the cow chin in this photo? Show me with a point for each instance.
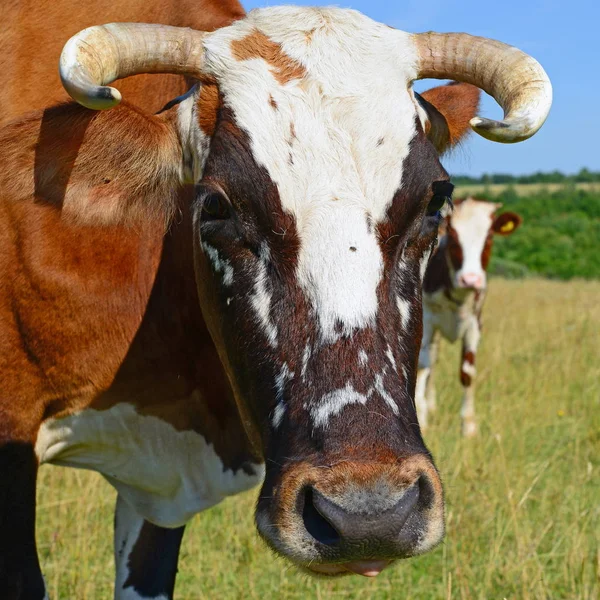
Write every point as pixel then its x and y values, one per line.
pixel 352 517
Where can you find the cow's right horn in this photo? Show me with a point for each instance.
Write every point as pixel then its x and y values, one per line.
pixel 102 54
pixel 514 79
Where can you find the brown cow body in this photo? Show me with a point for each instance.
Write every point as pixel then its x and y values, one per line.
pixel 283 301
pixel 33 34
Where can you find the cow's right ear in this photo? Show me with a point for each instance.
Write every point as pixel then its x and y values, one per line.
pixel 105 167
pixel 449 109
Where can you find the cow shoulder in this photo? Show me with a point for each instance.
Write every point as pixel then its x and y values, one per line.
pixel 84 198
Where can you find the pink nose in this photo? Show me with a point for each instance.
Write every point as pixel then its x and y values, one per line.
pixel 471 280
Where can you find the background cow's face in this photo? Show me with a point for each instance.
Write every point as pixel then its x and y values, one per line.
pixel 316 214
pixel 470 231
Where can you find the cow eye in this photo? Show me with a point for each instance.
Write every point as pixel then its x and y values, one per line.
pixel 215 207
pixel 442 195
pixel 436 204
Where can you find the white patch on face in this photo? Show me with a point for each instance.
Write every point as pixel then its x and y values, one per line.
pixel 333 403
pixel 380 389
pixel 404 308
pixel 219 266
pixel 278 415
pixel 261 301
pixel 284 376
pixel 363 358
pixel 390 357
pixel 472 221
pixel 352 117
pixel 305 358
pixel 165 475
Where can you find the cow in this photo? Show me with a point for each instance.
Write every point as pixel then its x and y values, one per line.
pixel 229 292
pixel 454 292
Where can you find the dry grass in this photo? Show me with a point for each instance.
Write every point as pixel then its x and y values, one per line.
pixel 528 189
pixel 523 499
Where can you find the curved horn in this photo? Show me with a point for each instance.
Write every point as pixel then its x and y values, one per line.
pixel 514 79
pixel 102 54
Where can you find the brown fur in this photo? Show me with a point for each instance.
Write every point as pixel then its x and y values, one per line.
pixel 450 108
pixel 88 310
pixel 258 45
pixel 111 168
pixel 209 102
pixel 33 34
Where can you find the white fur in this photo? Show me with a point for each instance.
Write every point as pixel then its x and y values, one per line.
pixel 127 531
pixel 356 92
pixel 468 368
pixel 363 357
pixel 380 389
pixel 261 302
pixel 305 358
pixel 404 308
pixel 281 381
pixel 333 403
pixel 166 475
pixel 219 265
pixel 390 357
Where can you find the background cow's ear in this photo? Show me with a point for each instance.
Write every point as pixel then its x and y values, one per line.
pixel 506 223
pixel 449 109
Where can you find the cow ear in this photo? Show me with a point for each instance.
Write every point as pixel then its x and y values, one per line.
pixel 449 110
pixel 506 223
pixel 105 167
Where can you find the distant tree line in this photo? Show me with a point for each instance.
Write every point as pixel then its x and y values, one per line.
pixel 584 176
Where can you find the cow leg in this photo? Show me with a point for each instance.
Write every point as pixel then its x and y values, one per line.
pixel 467 378
pixel 145 556
pixel 423 375
pixel 20 574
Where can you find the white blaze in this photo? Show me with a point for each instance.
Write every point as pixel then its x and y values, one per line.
pixel 334 146
pixel 472 221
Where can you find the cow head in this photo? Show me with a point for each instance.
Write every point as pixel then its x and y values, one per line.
pixel 470 236
pixel 319 196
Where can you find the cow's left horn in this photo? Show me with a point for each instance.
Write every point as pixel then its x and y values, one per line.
pixel 514 79
pixel 102 54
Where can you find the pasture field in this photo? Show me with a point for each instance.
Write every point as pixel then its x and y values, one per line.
pixel 523 499
pixel 522 189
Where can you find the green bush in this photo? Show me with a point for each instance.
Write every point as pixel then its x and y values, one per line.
pixel 559 238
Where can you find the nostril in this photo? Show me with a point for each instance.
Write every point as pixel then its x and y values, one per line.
pixel 316 524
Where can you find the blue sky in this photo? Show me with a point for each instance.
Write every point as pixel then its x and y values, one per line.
pixel 563 36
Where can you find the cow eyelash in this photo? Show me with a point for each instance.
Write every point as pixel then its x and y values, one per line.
pixel 442 194
pixel 215 207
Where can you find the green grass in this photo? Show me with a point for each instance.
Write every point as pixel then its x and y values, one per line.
pixel 523 499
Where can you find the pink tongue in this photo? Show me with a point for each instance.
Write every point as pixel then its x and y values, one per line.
pixel 367 568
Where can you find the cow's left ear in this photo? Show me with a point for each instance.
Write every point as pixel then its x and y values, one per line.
pixel 506 223
pixel 449 109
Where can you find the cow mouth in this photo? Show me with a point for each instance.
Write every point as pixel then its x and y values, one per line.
pixel 366 568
